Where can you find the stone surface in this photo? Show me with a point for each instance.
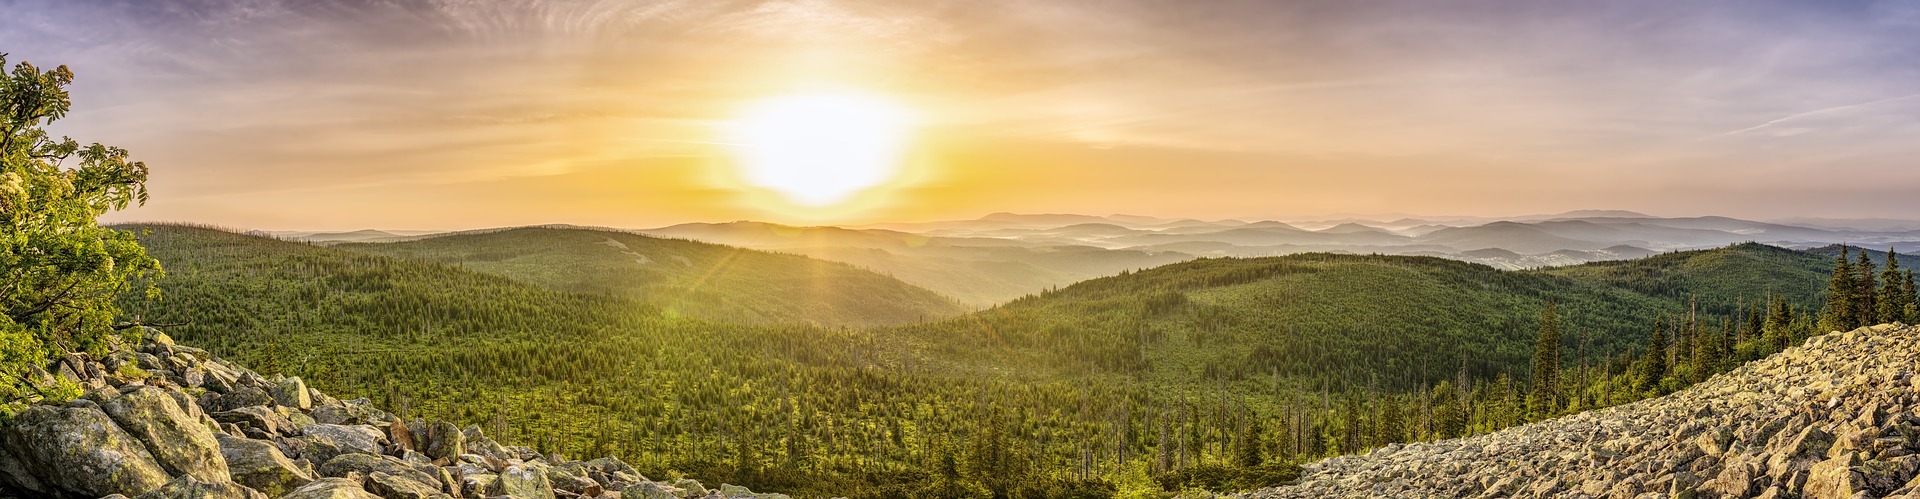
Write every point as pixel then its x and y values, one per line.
pixel 261 465
pixel 330 488
pixel 183 445
pixel 1828 418
pixel 189 487
pixel 77 449
pixel 292 392
pixel 522 482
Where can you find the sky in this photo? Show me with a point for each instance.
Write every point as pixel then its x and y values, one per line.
pixel 453 114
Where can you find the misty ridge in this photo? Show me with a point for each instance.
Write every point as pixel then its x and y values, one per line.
pixel 1002 256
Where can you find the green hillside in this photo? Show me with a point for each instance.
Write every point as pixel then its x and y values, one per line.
pixel 700 280
pixel 1341 320
pixel 1721 279
pixel 1098 388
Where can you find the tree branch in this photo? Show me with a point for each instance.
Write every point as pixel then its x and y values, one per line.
pixel 134 324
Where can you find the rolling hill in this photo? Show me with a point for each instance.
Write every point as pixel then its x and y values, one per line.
pixel 1329 319
pixel 1085 378
pixel 977 271
pixel 701 280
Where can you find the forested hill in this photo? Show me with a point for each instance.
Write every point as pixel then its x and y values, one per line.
pixel 1723 279
pixel 1118 384
pixel 1345 320
pixel 706 281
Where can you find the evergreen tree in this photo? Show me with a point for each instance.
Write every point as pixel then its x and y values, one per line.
pixel 1912 314
pixel 1251 445
pixel 1779 331
pixel 1891 305
pixel 1654 367
pixel 1709 352
pixel 1392 427
pixel 1839 312
pixel 1545 399
pixel 1864 311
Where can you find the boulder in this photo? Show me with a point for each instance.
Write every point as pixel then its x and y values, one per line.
pixel 1834 479
pixel 570 482
pixel 292 393
pixel 443 441
pixel 182 445
pixel 260 465
pixel 257 421
pixel 397 487
pixel 77 449
pixel 366 464
pixel 245 396
pixel 330 488
pixel 325 441
pixel 649 490
pixel 188 487
pixel 690 485
pixel 522 482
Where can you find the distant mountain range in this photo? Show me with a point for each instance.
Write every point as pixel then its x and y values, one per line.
pixel 1003 256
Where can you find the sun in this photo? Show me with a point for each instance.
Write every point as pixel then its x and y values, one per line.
pixel 818 149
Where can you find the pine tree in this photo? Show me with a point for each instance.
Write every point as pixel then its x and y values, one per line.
pixel 1708 354
pixel 1779 331
pixel 1892 303
pixel 1864 312
pixel 1545 399
pixel 1913 300
pixel 1251 444
pixel 1654 367
pixel 1839 312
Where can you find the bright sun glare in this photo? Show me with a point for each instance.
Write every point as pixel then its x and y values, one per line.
pixel 820 149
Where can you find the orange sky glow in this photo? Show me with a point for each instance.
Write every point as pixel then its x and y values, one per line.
pixel 334 115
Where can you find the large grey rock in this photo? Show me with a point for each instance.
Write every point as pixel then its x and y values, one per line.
pixel 443 441
pixel 245 396
pixel 330 488
pixel 292 392
pixel 368 464
pixel 397 487
pixel 188 487
pixel 324 441
pixel 182 445
pixel 77 449
pixel 260 465
pixel 522 482
pixel 649 490
pixel 258 421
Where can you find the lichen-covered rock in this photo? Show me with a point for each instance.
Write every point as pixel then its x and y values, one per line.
pixel 77 449
pixel 650 490
pixel 397 487
pixel 367 464
pixel 188 487
pixel 522 482
pixel 693 487
pixel 256 421
pixel 325 441
pixel 260 465
pixel 182 445
pixel 443 441
pixel 1830 418
pixel 245 396
pixel 330 488
pixel 292 392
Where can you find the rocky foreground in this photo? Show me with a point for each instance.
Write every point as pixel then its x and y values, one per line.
pixel 169 421
pixel 1834 418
